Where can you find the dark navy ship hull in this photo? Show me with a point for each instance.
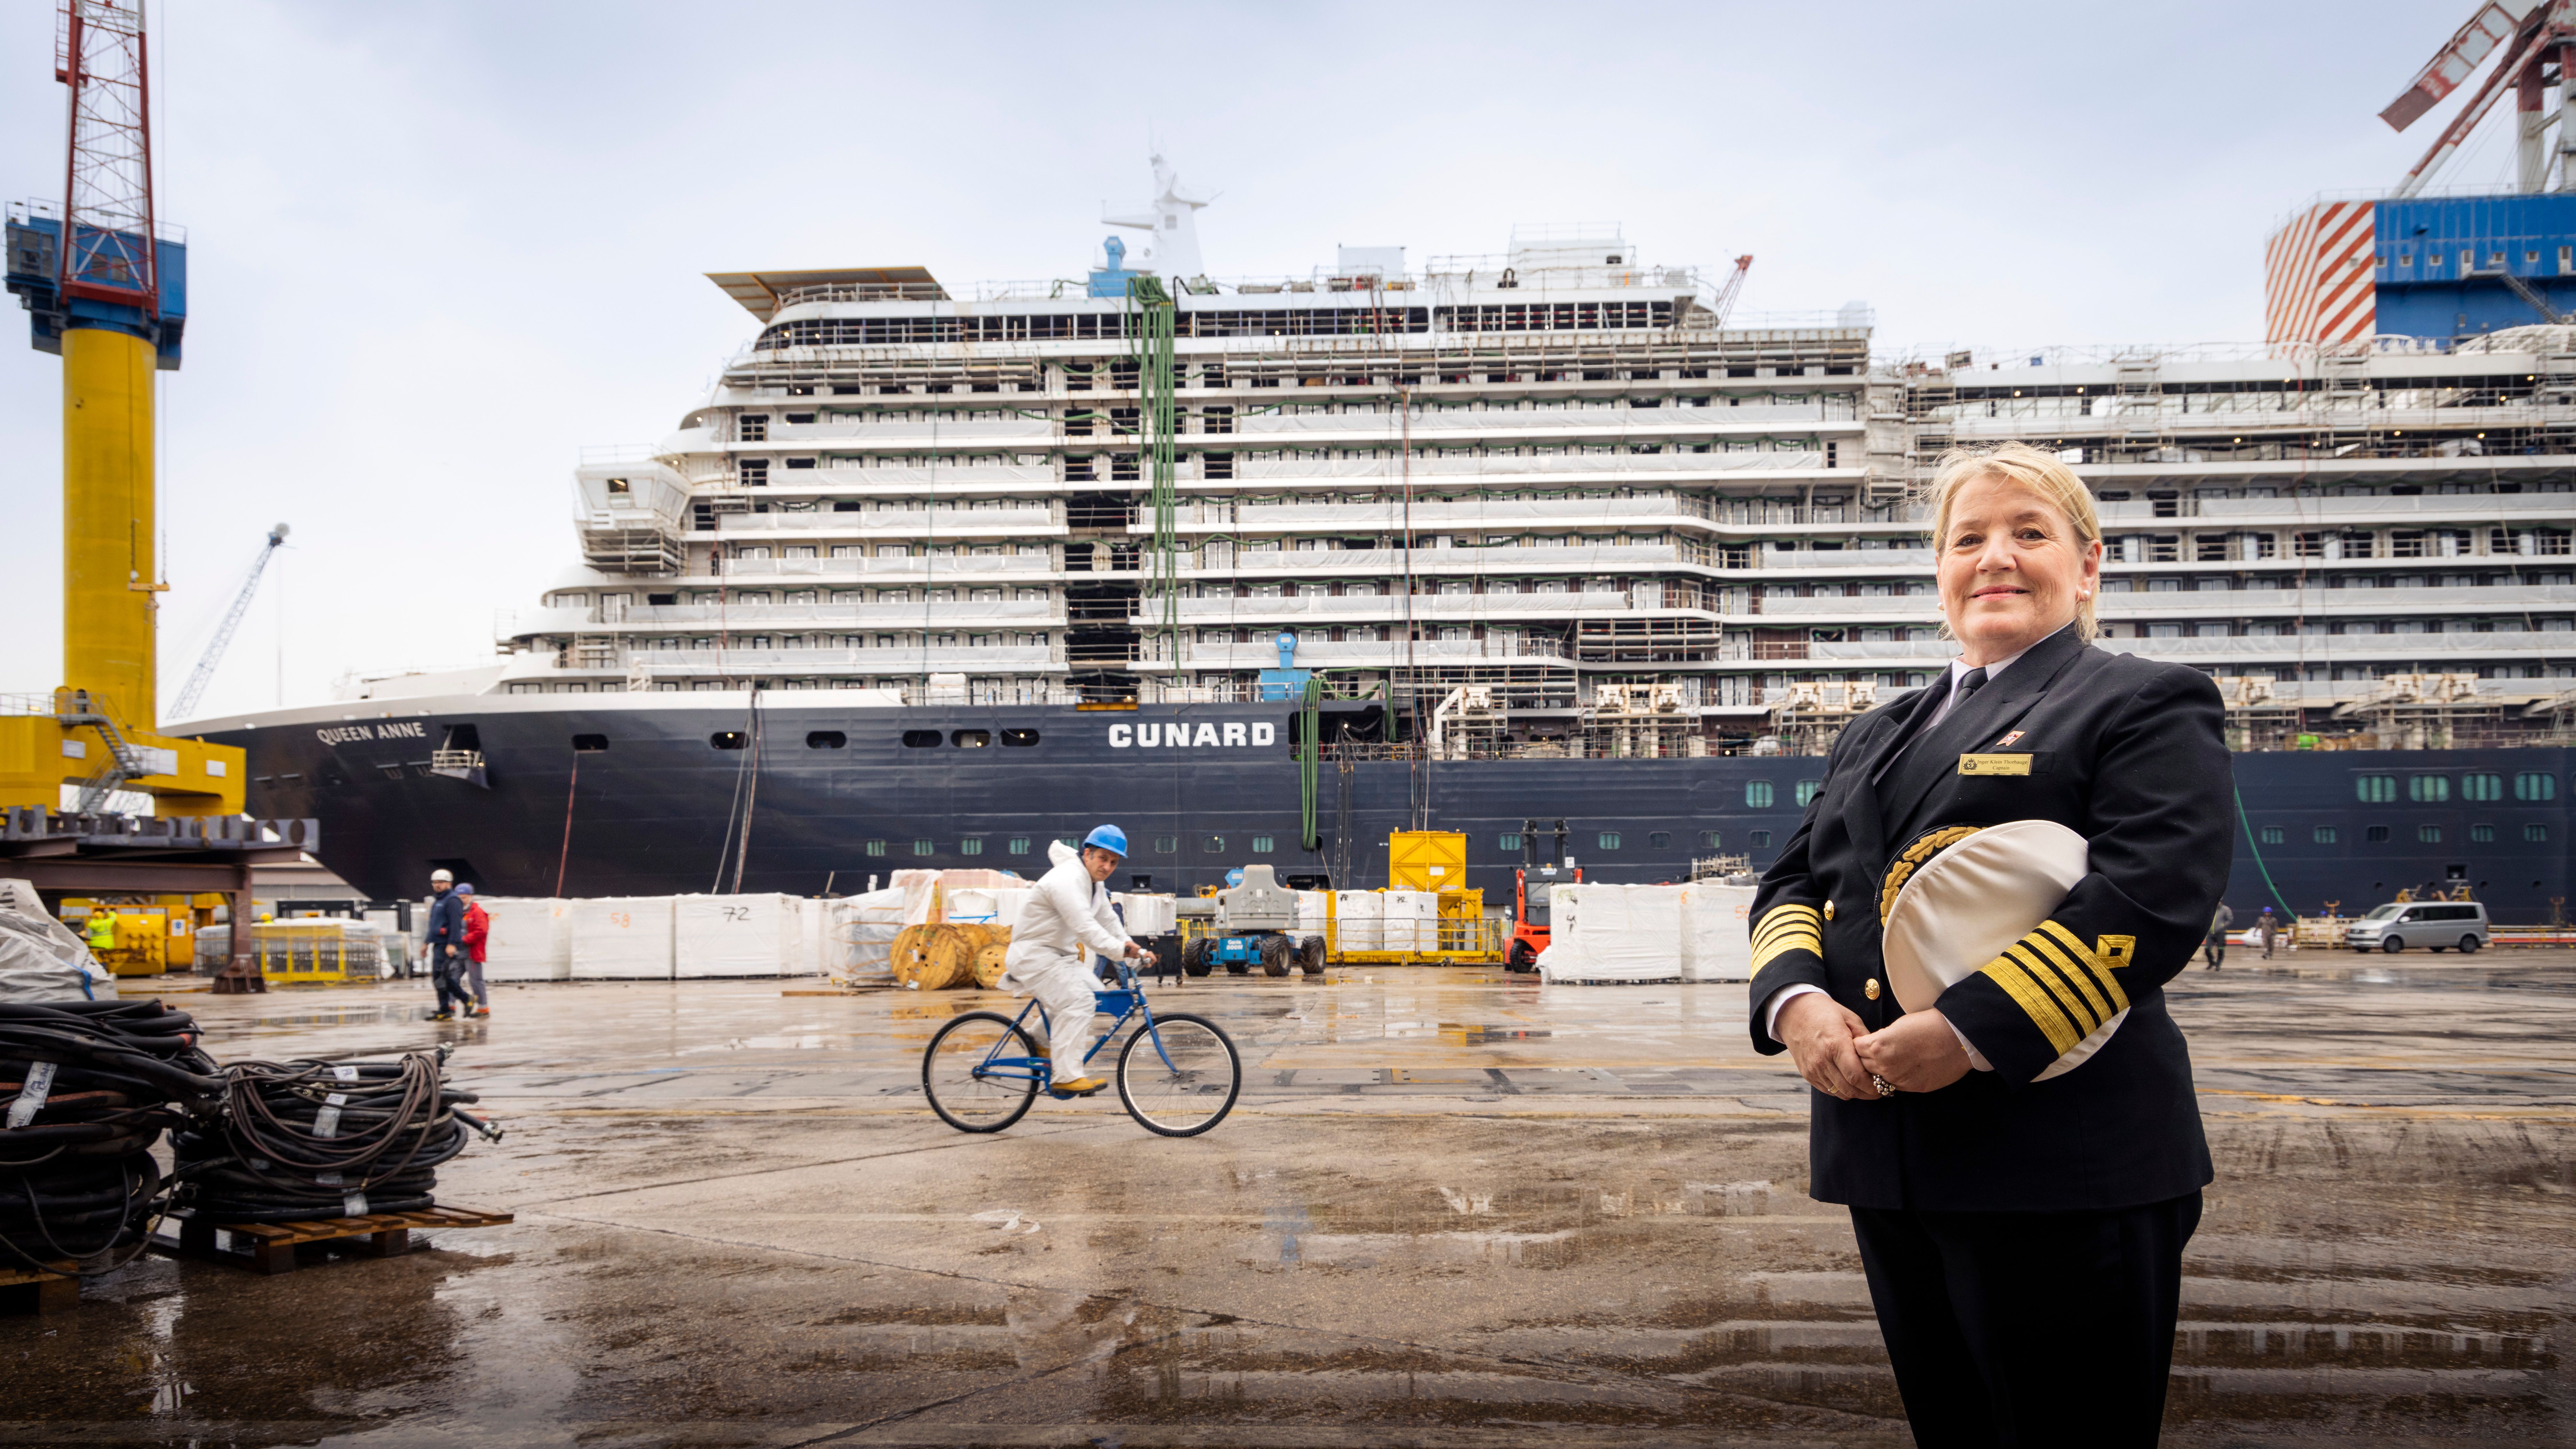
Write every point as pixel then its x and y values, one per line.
pixel 653 806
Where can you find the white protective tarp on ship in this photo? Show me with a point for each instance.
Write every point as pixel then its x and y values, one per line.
pixel 530 939
pixel 1610 933
pixel 748 935
pixel 1716 944
pixel 621 938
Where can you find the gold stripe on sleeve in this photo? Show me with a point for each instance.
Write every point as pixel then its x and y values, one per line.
pixel 2077 974
pixel 2034 1003
pixel 2078 1009
pixel 1785 929
pixel 2101 965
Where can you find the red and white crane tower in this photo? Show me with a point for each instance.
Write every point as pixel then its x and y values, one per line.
pixel 2537 39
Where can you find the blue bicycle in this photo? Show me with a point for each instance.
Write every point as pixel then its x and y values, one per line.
pixel 1178 1075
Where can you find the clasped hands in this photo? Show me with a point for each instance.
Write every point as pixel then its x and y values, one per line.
pixel 1838 1055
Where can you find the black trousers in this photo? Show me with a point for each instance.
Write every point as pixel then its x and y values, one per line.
pixel 2029 1329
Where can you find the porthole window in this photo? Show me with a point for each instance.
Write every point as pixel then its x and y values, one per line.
pixel 2374 789
pixel 826 740
pixel 971 739
pixel 1019 845
pixel 1659 840
pixel 2428 789
pixel 2429 834
pixel 1761 840
pixel 921 847
pixel 589 744
pixel 921 739
pixel 1022 738
pixel 876 847
pixel 2535 787
pixel 1708 840
pixel 1609 840
pixel 2536 833
pixel 2482 787
pixel 2375 834
pixel 1263 844
pixel 1807 792
pixel 1757 794
pixel 1213 845
pixel 729 740
pixel 1167 844
pixel 2274 835
pixel 2323 835
pixel 2482 834
pixel 1508 840
pixel 971 845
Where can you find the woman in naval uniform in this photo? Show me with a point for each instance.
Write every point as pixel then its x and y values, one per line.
pixel 2022 1238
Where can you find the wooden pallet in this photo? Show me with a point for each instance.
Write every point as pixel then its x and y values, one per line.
pixel 277 1247
pixel 27 1290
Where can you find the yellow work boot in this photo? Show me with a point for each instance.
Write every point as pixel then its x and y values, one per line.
pixel 1078 1087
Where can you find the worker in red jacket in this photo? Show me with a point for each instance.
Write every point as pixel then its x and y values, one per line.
pixel 478 929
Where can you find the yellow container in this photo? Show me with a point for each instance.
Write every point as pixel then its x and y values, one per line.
pixel 1426 860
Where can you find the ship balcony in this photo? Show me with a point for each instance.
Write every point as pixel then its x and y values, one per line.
pixel 703 663
pixel 907 433
pixel 955 568
pixel 639 623
pixel 2197 605
pixel 2132 418
pixel 2312 510
pixel 1219 558
pixel 1306 609
pixel 1560 468
pixel 1015 520
pixel 2529 649
pixel 1354 653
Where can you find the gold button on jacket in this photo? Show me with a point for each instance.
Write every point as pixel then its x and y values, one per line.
pixel 1829 910
pixel 1870 989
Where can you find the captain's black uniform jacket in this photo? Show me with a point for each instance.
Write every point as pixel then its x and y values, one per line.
pixel 2127 753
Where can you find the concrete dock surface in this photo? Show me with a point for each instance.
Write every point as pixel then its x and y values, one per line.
pixel 1453 1208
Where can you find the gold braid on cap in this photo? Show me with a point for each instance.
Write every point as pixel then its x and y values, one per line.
pixel 1909 860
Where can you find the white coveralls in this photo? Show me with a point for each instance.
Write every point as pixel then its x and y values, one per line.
pixel 1068 912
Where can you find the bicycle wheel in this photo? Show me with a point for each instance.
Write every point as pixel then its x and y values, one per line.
pixel 966 1086
pixel 1179 1075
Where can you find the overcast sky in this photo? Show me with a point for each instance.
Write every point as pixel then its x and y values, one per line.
pixel 435 250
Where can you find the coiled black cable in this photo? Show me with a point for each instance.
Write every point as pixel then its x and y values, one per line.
pixel 311 1139
pixel 86 1089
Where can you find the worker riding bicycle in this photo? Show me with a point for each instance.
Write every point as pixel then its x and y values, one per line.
pixel 1069 911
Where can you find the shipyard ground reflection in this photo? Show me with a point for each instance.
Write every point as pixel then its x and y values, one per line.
pixel 1455 1209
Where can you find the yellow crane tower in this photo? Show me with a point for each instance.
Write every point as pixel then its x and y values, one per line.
pixel 106 288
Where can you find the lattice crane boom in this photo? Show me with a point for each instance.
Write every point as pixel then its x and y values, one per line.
pixel 207 662
pixel 1734 286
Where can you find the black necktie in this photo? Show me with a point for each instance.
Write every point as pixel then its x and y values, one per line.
pixel 1968 684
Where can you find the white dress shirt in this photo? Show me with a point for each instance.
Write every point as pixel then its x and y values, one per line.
pixel 1958 670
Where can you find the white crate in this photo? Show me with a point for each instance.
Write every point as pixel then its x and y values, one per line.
pixel 1359 920
pixel 530 939
pixel 1717 944
pixel 750 935
pixel 1613 933
pixel 621 938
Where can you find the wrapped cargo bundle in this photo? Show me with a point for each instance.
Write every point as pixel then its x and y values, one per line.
pixel 859 940
pixel 1412 921
pixel 1147 915
pixel 1613 933
pixel 1716 944
pixel 530 939
pixel 753 935
pixel 622 938
pixel 1359 919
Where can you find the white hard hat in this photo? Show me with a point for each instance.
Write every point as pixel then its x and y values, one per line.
pixel 1982 891
pixel 440 875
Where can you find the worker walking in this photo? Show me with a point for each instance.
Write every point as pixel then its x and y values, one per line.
pixel 446 944
pixel 478 929
pixel 1069 911
pixel 2214 948
pixel 2267 930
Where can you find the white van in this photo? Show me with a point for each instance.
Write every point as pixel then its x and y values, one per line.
pixel 2434 924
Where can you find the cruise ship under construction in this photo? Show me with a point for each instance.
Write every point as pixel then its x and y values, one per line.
pixel 1264 568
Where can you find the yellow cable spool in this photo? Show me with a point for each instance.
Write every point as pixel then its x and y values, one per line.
pixel 991 960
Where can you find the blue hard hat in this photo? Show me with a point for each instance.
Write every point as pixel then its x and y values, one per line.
pixel 465 890
pixel 1107 837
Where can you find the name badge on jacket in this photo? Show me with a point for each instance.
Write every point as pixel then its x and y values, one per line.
pixel 1994 764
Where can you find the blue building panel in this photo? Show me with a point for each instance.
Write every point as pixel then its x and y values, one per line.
pixel 2438 262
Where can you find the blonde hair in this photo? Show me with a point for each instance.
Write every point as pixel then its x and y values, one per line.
pixel 2038 471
